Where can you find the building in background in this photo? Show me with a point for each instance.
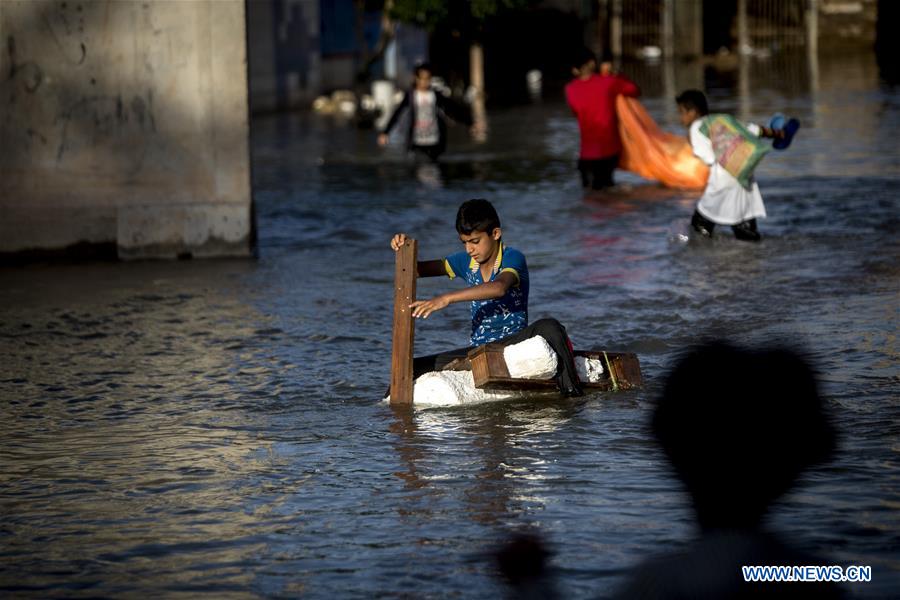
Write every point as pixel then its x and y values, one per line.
pixel 301 49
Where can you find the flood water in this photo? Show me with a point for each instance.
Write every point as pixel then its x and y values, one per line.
pixel 214 427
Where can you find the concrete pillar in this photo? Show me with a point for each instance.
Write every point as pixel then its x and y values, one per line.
pixel 383 95
pixel 812 43
pixel 667 27
pixel 688 18
pixel 744 46
pixel 125 123
pixel 615 29
pixel 744 50
pixel 476 83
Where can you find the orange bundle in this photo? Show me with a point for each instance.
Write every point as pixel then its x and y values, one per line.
pixel 653 153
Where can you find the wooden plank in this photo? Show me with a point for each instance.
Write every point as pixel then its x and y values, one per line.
pixel 627 370
pixel 536 385
pixel 404 324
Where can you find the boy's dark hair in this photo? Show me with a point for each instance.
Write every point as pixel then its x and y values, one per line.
pixel 583 57
pixel 422 67
pixel 476 215
pixel 693 99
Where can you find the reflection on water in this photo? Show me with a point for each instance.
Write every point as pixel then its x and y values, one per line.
pixel 215 427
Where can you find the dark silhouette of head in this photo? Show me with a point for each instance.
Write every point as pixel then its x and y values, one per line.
pixel 522 557
pixel 422 69
pixel 583 58
pixel 739 426
pixel 522 561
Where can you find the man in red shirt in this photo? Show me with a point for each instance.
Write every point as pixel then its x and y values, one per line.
pixel 592 97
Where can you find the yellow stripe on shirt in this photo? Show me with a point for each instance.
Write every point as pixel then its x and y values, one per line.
pixel 449 269
pixel 513 271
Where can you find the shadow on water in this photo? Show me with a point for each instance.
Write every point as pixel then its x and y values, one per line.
pixel 215 427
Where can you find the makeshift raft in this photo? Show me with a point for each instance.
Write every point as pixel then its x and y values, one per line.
pixel 523 370
pixel 493 371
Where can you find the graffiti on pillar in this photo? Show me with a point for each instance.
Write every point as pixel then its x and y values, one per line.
pixel 64 33
pixel 68 107
pixel 105 120
pixel 117 91
pixel 27 74
pixel 24 76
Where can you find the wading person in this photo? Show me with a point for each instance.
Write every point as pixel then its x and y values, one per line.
pixel 428 111
pixel 726 200
pixel 496 276
pixel 592 98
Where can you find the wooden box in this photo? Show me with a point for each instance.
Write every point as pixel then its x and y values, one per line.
pixel 622 371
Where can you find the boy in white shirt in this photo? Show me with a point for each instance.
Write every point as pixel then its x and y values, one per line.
pixel 725 201
pixel 428 108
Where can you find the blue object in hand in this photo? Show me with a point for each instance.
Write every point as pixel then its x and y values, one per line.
pixel 789 126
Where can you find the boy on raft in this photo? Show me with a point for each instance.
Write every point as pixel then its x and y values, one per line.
pixel 497 279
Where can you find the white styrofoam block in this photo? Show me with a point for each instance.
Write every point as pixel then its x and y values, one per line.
pixel 454 388
pixel 589 369
pixel 531 359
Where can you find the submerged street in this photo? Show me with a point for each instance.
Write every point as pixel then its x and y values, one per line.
pixel 215 426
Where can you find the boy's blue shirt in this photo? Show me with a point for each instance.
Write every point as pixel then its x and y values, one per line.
pixel 497 318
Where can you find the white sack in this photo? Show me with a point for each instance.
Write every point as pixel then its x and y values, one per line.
pixel 454 388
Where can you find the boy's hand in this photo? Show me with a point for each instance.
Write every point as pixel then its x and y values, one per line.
pixel 397 241
pixel 423 308
pixel 383 139
pixel 777 134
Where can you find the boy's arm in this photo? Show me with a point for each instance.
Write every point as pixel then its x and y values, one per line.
pixel 569 100
pixel 394 117
pixel 628 87
pixel 484 291
pixel 763 131
pixel 424 268
pixel 768 132
pixel 755 129
pixel 701 145
pixel 431 268
pixel 453 109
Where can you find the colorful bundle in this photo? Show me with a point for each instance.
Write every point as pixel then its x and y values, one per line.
pixel 736 148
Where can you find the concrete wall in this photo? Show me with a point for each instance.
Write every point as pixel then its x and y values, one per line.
pixel 124 123
pixel 285 62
